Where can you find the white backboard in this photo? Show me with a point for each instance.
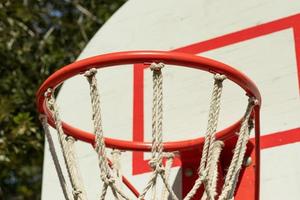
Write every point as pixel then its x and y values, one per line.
pixel 261 38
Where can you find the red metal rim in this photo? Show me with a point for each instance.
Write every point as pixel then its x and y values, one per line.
pixel 132 57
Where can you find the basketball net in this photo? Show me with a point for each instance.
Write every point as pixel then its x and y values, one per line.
pixel 110 172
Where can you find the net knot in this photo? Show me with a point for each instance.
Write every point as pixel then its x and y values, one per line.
pixel 251 123
pixel 50 100
pixel 70 138
pixel 203 175
pixel 90 72
pixel 156 66
pixel 48 93
pixel 152 163
pixel 76 192
pixel 107 179
pixel 155 165
pixel 219 77
pixel 253 101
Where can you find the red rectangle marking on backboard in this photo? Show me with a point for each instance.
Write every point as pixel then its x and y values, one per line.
pixel 140 165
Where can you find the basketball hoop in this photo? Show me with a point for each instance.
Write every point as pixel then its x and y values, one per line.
pixel 205 184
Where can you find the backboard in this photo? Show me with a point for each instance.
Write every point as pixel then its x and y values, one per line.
pixel 259 38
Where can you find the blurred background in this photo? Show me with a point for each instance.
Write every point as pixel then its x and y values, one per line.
pixel 36 38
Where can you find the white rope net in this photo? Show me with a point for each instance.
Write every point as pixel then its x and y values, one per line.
pixel 111 174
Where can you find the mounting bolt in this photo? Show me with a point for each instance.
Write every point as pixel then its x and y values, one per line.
pixel 188 172
pixel 247 161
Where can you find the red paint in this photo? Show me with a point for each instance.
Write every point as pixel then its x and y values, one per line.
pixel 267 141
pixel 248 184
pixel 229 39
pixel 280 138
pixel 256 165
pixel 292 22
pixel 296 29
pixel 190 163
pixel 242 35
pixel 138 118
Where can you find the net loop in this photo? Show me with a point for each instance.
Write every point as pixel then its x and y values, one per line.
pixel 156 67
pixel 54 156
pixel 67 147
pixel 106 173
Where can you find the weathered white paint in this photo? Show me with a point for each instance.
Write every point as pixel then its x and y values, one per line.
pixel 163 25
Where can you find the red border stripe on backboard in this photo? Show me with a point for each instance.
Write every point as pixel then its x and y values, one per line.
pixel 251 33
pixel 280 138
pixel 297 47
pixel 267 141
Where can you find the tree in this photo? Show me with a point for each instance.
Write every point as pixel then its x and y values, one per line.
pixel 36 38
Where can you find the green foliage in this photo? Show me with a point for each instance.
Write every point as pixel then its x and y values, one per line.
pixel 36 38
